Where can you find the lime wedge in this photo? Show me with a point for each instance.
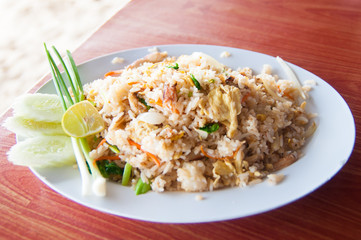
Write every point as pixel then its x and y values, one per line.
pixel 81 120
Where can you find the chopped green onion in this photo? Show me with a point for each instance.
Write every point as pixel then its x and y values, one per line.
pixel 190 94
pixel 212 80
pixel 114 149
pixel 174 67
pixel 142 100
pixel 195 81
pixel 141 187
pixel 126 174
pixel 211 127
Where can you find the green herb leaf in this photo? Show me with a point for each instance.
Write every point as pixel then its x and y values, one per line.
pixel 126 174
pixel 174 67
pixel 108 168
pixel 195 81
pixel 211 127
pixel 142 100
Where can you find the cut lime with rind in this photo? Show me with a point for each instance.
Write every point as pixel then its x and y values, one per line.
pixel 43 151
pixel 82 120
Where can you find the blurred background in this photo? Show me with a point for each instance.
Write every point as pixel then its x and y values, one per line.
pixel 26 24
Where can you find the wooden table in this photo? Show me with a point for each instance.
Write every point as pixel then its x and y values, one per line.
pixel 323 37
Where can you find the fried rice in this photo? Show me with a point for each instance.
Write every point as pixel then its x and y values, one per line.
pixel 190 123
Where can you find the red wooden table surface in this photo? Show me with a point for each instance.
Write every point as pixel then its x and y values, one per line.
pixel 323 37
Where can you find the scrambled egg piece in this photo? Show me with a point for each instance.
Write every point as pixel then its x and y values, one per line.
pixel 139 130
pixel 223 169
pixel 201 60
pixel 225 103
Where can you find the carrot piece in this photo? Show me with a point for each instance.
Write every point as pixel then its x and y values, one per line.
pixel 113 73
pixel 108 158
pixel 174 109
pixel 245 97
pixel 158 102
pixel 131 142
pixel 101 143
pixel 207 155
pixel 132 83
pixel 286 94
pixel 153 157
pixel 150 155
pixel 111 158
pixel 235 152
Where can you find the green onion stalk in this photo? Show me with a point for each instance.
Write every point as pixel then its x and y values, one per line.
pixel 88 170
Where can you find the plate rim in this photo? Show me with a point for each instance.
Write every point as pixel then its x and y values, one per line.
pixel 234 216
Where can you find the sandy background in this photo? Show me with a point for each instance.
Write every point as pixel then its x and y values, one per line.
pixel 26 24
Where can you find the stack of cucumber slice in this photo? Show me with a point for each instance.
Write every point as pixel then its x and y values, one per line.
pixel 41 139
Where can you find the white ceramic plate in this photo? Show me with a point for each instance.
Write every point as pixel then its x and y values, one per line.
pixel 324 155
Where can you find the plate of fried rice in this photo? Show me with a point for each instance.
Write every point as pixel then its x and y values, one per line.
pixel 217 133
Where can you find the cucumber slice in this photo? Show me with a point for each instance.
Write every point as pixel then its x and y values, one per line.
pixel 44 151
pixel 39 106
pixel 25 127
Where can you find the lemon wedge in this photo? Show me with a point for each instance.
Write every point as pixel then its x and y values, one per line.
pixel 82 120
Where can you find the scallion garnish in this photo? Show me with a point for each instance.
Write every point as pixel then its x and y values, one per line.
pixel 126 174
pixel 195 81
pixel 114 148
pixel 174 67
pixel 210 127
pixel 141 187
pixel 142 100
pixel 80 145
